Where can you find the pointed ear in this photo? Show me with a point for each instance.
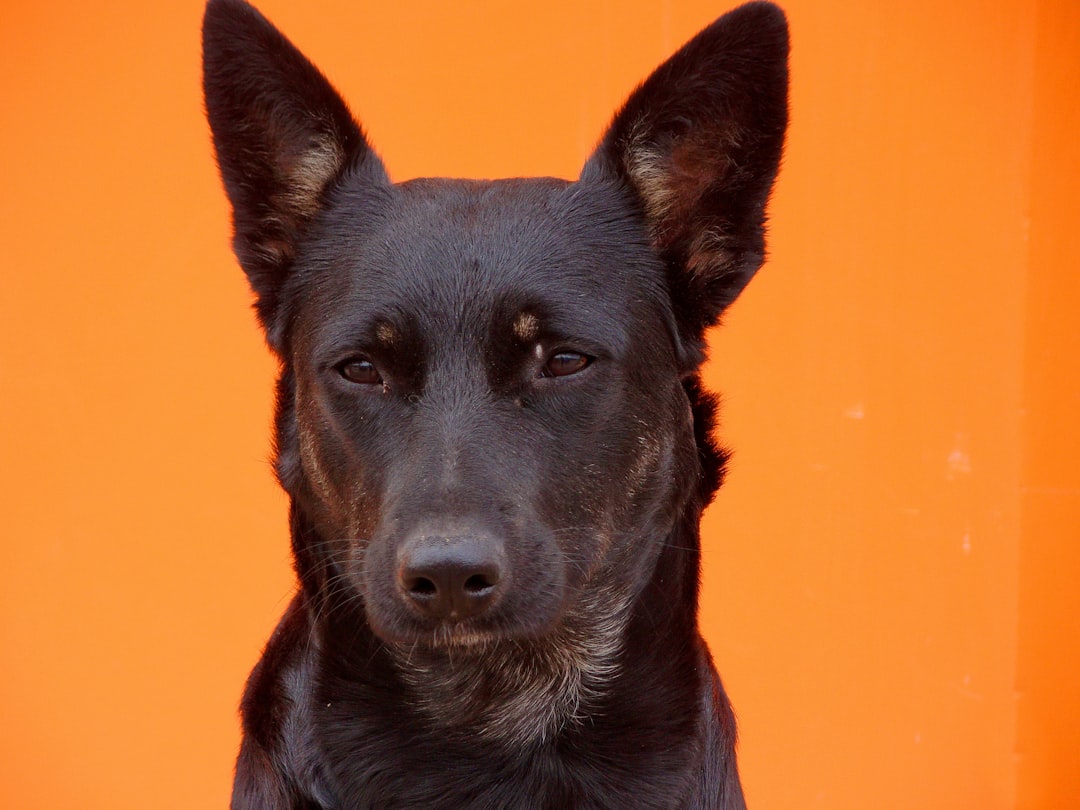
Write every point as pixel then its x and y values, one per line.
pixel 698 144
pixel 282 135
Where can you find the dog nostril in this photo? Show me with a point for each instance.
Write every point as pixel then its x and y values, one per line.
pixel 422 587
pixel 478 585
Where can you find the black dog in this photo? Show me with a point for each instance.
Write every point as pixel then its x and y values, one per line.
pixel 491 429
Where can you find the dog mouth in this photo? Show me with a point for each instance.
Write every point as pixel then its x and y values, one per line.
pixel 459 636
pixel 449 638
pixel 466 636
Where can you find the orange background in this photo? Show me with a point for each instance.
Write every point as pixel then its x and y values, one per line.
pixel 890 584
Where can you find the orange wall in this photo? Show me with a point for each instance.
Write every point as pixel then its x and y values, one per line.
pixel 1048 731
pixel 890 572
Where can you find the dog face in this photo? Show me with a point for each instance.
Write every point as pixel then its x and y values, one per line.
pixel 486 413
pixel 483 388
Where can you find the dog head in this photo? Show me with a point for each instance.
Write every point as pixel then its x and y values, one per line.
pixel 487 400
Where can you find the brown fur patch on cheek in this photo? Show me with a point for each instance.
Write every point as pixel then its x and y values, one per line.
pixel 320 481
pixel 363 512
pixel 645 466
pixel 347 503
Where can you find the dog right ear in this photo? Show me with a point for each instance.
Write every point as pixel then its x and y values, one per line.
pixel 698 145
pixel 282 135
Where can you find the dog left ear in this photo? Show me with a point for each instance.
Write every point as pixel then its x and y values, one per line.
pixel 283 136
pixel 698 144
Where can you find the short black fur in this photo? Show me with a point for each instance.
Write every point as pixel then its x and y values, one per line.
pixel 492 430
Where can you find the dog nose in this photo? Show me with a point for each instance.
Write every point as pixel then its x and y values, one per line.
pixel 451 577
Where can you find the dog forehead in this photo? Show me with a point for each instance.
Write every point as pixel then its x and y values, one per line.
pixel 458 248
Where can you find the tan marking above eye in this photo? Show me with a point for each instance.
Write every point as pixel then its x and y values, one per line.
pixel 385 334
pixel 526 327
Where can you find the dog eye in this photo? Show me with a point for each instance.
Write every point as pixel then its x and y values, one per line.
pixel 359 370
pixel 564 364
